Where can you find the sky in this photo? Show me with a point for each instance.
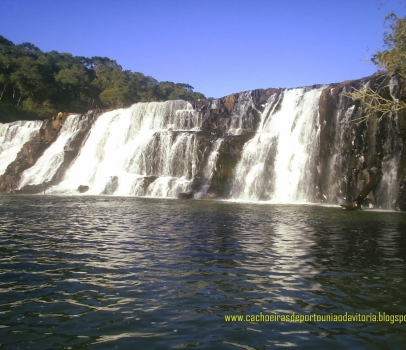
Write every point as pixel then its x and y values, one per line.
pixel 217 46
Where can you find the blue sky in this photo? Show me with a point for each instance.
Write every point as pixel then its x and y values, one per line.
pixel 219 47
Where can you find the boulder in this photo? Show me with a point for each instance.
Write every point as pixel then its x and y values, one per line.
pixel 185 195
pixel 83 188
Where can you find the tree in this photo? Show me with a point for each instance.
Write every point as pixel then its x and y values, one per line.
pixel 393 59
pixel 4 41
pixel 27 78
pixel 39 84
pixel 392 63
pixel 114 98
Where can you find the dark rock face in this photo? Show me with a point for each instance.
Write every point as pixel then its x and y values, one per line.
pixel 33 189
pixel 350 152
pixel 401 202
pixel 242 111
pixel 185 195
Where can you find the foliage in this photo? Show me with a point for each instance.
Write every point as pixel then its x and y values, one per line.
pixel 39 84
pixel 392 62
pixel 393 59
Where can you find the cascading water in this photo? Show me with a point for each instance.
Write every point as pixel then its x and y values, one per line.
pixel 12 138
pixel 209 169
pixel 170 157
pixel 303 147
pixel 388 188
pixel 275 165
pixel 242 105
pixel 45 168
pixel 148 149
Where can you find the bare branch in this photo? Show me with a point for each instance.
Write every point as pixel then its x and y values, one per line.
pixel 374 104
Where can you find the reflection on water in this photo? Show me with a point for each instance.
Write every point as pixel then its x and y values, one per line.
pixel 100 272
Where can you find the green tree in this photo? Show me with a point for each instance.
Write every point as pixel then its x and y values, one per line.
pixel 392 62
pixel 4 41
pixel 114 98
pixel 393 58
pixel 38 84
pixel 26 79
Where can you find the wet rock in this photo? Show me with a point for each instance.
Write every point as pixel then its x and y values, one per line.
pixel 83 189
pixel 111 185
pixel 33 189
pixel 185 195
pixel 351 206
pixel 401 201
pixel 229 155
pixel 196 184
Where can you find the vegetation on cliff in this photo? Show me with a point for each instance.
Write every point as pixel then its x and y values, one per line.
pixel 392 63
pixel 36 84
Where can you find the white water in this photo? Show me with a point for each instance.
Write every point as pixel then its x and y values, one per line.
pixel 156 149
pixel 388 187
pixel 48 164
pixel 129 147
pixel 209 169
pixel 240 111
pixel 274 164
pixel 12 138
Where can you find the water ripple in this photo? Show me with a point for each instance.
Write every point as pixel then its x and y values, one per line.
pixel 98 272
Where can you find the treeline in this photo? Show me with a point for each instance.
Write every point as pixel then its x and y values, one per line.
pixel 36 84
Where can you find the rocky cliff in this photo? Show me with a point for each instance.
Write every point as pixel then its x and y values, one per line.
pixel 352 152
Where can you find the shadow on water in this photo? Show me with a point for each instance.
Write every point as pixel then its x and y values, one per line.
pixel 100 272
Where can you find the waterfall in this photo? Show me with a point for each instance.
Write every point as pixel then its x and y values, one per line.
pixel 149 149
pixel 388 187
pixel 12 138
pixel 48 164
pixel 243 104
pixel 211 162
pixel 274 145
pixel 209 169
pixel 276 164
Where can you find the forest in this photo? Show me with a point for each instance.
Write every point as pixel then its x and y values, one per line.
pixel 37 85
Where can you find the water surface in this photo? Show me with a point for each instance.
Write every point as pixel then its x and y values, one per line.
pixel 106 272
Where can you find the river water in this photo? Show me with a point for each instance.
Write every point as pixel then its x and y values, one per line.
pixel 120 272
